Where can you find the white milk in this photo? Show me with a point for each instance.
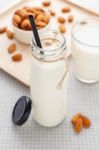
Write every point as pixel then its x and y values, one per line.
pixel 49 102
pixel 85 50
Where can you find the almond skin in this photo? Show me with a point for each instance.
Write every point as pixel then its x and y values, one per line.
pixel 22 13
pixel 10 34
pixel 75 118
pixel 46 3
pixel 70 18
pixel 52 13
pixel 61 20
pixel 3 29
pixel 66 9
pixel 40 24
pixel 40 17
pixel 12 48
pixel 86 121
pixel 17 19
pixel 62 28
pixel 26 24
pixel 46 18
pixel 78 125
pixel 17 57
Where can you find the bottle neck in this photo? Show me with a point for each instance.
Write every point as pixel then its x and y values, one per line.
pixel 54 47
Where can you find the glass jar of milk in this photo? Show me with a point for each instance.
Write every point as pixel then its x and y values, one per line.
pixel 47 69
pixel 85 49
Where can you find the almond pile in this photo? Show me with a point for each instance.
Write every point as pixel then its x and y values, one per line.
pixel 79 121
pixel 20 18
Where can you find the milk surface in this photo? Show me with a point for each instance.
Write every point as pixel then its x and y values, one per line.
pixel 85 50
pixel 49 103
pixel 88 35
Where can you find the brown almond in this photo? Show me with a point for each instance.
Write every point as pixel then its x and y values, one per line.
pixel 70 18
pixel 46 3
pixel 75 118
pixel 61 19
pixel 3 29
pixel 30 9
pixel 17 12
pixel 17 57
pixel 38 9
pixel 39 17
pixel 12 48
pixel 79 125
pixel 86 121
pixel 40 24
pixel 22 13
pixel 62 28
pixel 16 24
pixel 52 13
pixel 46 18
pixel 17 19
pixel 10 34
pixel 26 24
pixel 66 9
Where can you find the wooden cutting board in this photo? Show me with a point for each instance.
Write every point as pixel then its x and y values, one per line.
pixel 89 6
pixel 20 70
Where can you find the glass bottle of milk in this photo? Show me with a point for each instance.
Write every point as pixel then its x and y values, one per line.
pixel 47 71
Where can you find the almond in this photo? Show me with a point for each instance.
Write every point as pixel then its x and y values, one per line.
pixel 70 18
pixel 46 18
pixel 15 24
pixel 38 9
pixel 12 48
pixel 17 19
pixel 75 118
pixel 21 20
pixel 26 24
pixel 66 9
pixel 61 19
pixel 17 57
pixel 22 13
pixel 62 28
pixel 10 34
pixel 40 24
pixel 30 9
pixel 46 3
pixel 52 13
pixel 3 29
pixel 39 17
pixel 86 121
pixel 78 125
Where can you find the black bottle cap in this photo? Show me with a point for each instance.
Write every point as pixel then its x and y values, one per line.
pixel 21 110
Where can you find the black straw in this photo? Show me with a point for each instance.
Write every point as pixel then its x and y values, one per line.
pixel 35 32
